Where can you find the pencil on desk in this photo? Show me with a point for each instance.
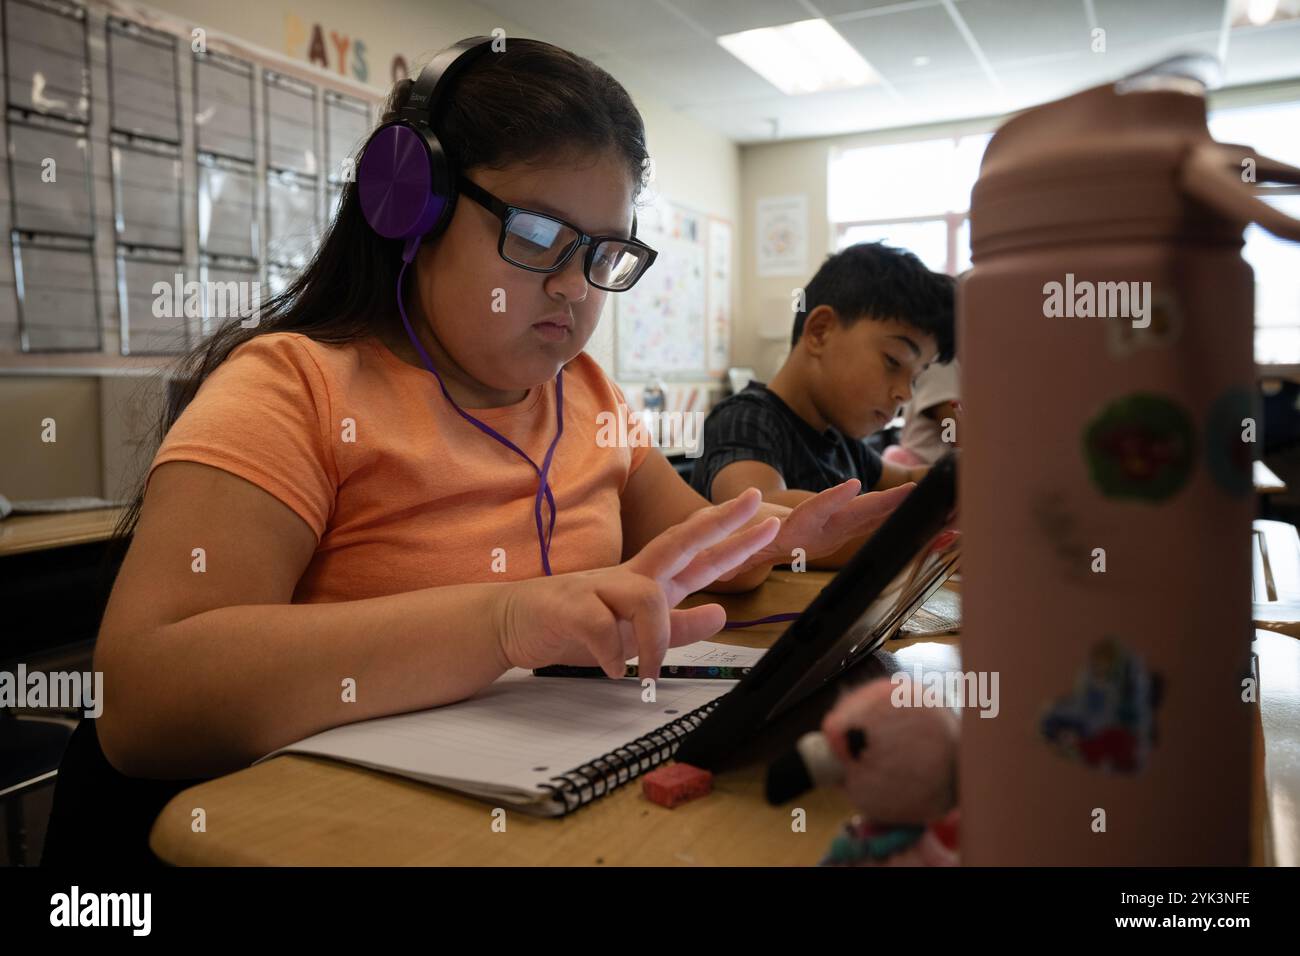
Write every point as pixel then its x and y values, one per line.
pixel 688 672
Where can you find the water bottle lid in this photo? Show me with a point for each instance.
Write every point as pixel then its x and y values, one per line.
pixel 1102 164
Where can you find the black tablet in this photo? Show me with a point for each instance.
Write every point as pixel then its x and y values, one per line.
pixel 866 603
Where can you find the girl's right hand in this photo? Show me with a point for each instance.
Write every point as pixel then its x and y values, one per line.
pixel 606 616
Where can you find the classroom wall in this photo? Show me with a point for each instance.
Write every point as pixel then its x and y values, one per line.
pixel 694 167
pixel 761 333
pixel 68 466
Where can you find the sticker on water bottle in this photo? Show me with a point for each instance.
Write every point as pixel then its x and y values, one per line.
pixel 1229 440
pixel 1140 446
pixel 1107 720
pixel 1163 328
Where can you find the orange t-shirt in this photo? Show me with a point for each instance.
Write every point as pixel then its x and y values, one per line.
pixel 401 492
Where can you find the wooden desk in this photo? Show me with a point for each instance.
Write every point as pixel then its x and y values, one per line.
pixel 299 810
pixel 24 533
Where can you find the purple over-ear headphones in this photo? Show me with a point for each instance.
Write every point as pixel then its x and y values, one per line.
pixel 406 183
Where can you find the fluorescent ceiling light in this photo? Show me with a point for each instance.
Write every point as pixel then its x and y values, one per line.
pixel 804 57
pixel 1258 13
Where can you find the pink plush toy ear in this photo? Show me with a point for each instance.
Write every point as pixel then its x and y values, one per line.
pixel 900 760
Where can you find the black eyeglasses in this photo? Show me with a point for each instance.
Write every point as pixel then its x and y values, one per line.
pixel 541 243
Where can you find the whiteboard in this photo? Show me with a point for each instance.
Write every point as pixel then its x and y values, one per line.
pixel 660 323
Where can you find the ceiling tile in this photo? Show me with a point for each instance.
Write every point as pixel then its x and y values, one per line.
pixel 1123 60
pixel 720 17
pixel 1029 83
pixel 1020 29
pixel 702 73
pixel 849 8
pixel 948 96
pixel 892 42
pixel 1130 24
pixel 825 114
pixel 600 25
pixel 1260 54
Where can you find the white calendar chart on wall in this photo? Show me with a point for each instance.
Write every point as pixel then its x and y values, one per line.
pixel 661 326
pixel 719 295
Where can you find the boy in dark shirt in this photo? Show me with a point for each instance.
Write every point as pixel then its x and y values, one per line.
pixel 873 318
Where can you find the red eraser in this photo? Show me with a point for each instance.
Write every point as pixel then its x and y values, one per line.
pixel 948 830
pixel 675 784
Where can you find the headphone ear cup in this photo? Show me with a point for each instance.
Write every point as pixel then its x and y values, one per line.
pixel 395 180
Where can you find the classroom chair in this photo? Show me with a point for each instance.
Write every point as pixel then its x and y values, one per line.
pixel 31 748
pixel 100 816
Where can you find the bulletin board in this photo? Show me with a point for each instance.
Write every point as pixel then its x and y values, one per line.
pixel 675 322
pixel 139 146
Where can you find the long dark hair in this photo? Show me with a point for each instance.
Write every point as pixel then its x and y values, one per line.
pixel 528 101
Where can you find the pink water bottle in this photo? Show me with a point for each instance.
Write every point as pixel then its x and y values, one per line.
pixel 1106 335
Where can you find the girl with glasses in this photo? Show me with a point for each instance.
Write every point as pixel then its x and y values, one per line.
pixel 329 532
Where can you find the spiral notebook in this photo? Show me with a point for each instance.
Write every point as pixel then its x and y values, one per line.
pixel 541 745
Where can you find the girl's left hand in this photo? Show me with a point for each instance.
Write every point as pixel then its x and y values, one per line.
pixel 823 524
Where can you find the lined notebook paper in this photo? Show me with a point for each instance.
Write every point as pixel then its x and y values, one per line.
pixel 541 744
pixel 941 614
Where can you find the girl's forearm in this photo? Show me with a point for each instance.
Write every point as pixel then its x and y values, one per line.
pixel 211 693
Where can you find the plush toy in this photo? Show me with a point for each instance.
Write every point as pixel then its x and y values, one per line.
pixel 898 764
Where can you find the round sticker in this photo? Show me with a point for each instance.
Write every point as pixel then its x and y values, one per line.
pixel 1230 436
pixel 1163 328
pixel 1107 719
pixel 1140 446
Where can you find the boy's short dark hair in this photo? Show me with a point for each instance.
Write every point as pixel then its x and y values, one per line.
pixel 871 280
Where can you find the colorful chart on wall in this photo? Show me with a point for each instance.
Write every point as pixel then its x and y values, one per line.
pixel 719 295
pixel 661 324
pixel 781 236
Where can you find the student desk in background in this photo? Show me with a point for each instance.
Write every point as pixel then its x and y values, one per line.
pixel 299 810
pixel 54 575
pixel 21 534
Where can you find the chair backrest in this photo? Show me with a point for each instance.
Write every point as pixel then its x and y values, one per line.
pixel 101 816
pixel 683 466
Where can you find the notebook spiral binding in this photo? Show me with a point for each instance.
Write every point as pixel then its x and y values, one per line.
pixel 589 782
